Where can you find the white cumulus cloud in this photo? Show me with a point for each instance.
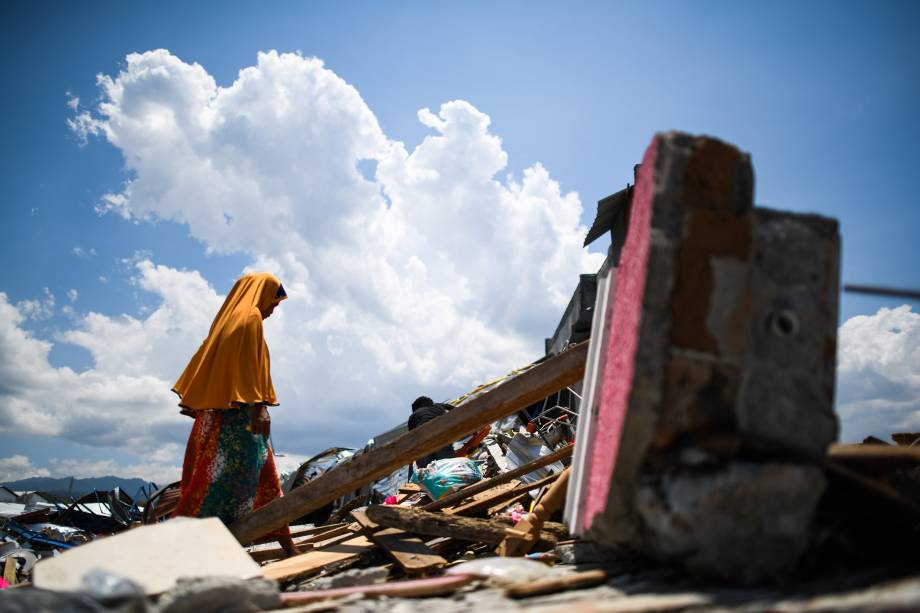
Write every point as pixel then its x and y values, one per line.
pixel 878 374
pixel 19 467
pixel 427 274
pixel 122 402
pixel 37 308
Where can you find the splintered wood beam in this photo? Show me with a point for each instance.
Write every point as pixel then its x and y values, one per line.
pixel 440 524
pixel 407 550
pixel 523 390
pixel 434 586
pixel 481 486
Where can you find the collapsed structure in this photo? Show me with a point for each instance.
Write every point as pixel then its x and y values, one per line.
pixel 718 335
pixel 683 414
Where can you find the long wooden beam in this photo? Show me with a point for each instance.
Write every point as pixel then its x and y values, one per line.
pixel 439 524
pixel 513 395
pixel 481 486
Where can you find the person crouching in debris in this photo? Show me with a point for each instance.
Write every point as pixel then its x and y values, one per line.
pixel 229 468
pixel 424 409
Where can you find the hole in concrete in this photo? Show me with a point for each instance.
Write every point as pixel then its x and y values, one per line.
pixel 783 323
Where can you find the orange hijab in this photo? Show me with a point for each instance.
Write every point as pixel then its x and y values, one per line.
pixel 232 365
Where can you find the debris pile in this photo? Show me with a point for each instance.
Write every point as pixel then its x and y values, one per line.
pixel 35 525
pixel 674 450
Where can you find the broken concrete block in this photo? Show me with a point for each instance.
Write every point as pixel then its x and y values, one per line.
pixel 743 522
pixel 720 331
pixel 678 316
pixel 225 594
pixel 787 392
pixel 154 557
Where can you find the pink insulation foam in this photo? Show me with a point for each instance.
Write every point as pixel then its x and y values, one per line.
pixel 623 341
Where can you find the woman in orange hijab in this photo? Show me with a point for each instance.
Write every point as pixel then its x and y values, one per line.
pixel 229 468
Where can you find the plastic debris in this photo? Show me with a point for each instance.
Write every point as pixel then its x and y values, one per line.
pixel 503 571
pixel 442 477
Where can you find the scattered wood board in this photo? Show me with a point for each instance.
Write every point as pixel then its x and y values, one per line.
pixel 261 553
pixel 407 550
pixel 482 486
pixel 9 570
pixel 300 531
pixel 479 506
pixel 399 589
pixel 307 531
pixel 490 495
pixel 548 585
pixel 352 529
pixel 442 524
pixel 514 394
pixel 406 490
pixel 314 561
pixel 881 456
pixel 522 497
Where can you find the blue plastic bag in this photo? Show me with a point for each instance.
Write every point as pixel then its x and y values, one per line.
pixel 442 477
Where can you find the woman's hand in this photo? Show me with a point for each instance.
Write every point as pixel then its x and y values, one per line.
pixel 259 420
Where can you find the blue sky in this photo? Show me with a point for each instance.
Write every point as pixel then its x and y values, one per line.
pixel 823 95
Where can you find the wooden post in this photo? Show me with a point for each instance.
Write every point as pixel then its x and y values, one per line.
pixel 515 394
pixel 531 524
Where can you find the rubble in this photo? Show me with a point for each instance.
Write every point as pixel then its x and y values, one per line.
pixel 154 557
pixel 681 424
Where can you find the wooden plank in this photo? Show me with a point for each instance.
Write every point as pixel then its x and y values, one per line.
pixel 407 490
pixel 9 570
pixel 523 390
pixel 305 531
pixel 435 586
pixel 549 585
pixel 352 529
pixel 498 489
pixel 481 486
pixel 523 498
pixel 407 550
pixel 313 561
pixel 295 533
pixel 360 516
pixel 478 506
pixel 261 553
pixel 884 456
pixel 443 525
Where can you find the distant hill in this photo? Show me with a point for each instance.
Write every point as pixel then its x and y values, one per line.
pixel 80 486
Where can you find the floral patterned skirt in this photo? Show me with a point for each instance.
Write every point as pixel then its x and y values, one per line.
pixel 228 471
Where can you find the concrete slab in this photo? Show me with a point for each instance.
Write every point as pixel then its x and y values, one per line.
pixel 154 557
